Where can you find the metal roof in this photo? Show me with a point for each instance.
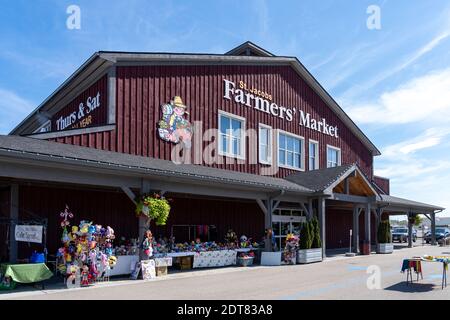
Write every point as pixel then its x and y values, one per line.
pixel 310 183
pixel 405 203
pixel 42 149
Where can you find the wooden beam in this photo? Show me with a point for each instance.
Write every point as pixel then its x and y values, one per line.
pixel 367 218
pixel 262 206
pixel 129 193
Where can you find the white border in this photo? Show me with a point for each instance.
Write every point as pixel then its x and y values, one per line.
pixel 265 126
pixel 243 135
pixel 340 154
pixel 317 155
pixel 302 158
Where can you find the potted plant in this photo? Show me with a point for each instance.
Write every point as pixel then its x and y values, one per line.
pixel 310 243
pixel 154 207
pixel 246 260
pixel 384 238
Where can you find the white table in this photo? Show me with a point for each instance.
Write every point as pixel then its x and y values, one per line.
pixel 124 266
pixel 212 259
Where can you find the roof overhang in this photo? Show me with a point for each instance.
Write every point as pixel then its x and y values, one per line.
pixel 54 162
pixel 405 206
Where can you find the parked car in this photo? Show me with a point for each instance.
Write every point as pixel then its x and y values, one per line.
pixel 441 234
pixel 400 234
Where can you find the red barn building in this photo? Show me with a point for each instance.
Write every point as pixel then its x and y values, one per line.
pixel 244 140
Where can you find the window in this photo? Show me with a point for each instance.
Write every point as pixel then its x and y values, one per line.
pixel 265 144
pixel 313 155
pixel 231 135
pixel 290 151
pixel 333 157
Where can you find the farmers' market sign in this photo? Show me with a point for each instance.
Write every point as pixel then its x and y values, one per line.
pixel 263 102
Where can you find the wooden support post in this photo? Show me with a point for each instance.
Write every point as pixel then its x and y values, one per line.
pixel 356 212
pixel 14 216
pixel 433 229
pixel 267 215
pixel 143 225
pixel 367 218
pixel 347 186
pixel 377 223
pixel 322 223
pixel 310 207
pixel 410 227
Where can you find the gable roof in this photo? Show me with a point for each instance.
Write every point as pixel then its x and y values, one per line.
pixel 325 180
pixel 248 48
pixel 103 60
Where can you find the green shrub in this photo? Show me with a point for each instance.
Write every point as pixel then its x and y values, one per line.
pixel 316 241
pixel 305 236
pixel 384 232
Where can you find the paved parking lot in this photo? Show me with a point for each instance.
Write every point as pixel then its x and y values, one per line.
pixel 336 278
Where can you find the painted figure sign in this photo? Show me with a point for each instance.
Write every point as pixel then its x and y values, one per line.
pixel 173 127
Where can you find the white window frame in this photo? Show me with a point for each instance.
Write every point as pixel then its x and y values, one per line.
pixel 269 146
pixel 302 157
pixel 241 156
pixel 339 155
pixel 316 156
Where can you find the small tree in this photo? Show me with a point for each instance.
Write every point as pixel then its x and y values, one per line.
pixel 384 232
pixel 305 236
pixel 316 242
pixel 418 220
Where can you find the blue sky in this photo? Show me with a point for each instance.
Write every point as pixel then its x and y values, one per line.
pixel 394 82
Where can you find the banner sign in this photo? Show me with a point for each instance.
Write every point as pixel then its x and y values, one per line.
pixel 88 109
pixel 29 234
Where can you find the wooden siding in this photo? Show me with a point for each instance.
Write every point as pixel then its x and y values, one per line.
pixel 338 225
pixel 141 90
pixel 116 210
pixel 383 183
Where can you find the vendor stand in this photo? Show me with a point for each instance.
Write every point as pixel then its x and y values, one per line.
pixel 416 264
pixel 24 273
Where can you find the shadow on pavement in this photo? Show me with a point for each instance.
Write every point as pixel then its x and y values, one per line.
pixel 411 287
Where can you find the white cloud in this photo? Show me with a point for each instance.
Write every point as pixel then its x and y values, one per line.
pixel 13 109
pixel 430 138
pixel 426 98
pixel 433 43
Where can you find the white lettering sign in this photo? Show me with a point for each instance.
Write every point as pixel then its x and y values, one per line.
pixel 258 101
pixel 320 126
pixel 29 234
pixel 84 110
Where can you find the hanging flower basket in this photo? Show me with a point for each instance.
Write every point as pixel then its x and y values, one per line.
pixel 154 207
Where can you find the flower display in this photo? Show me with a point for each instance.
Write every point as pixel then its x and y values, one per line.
pixel 154 207
pixel 88 247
